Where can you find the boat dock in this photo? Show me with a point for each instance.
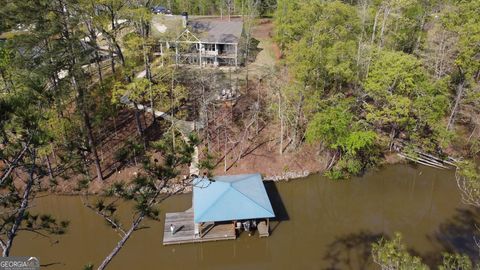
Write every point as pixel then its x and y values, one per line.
pixel 185 230
pixel 222 207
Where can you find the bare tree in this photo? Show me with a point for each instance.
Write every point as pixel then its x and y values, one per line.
pixel 249 17
pixel 468 182
pixel 456 104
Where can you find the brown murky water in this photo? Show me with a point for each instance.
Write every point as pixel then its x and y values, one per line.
pixel 323 225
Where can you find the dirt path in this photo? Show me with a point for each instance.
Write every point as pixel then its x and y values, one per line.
pixel 266 58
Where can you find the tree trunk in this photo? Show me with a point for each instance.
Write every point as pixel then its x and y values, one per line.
pixel 127 235
pixel 392 137
pixel 297 121
pixel 49 167
pixel 121 243
pixel 74 71
pixel 420 32
pixel 92 145
pixel 148 72
pixel 138 121
pixel 21 211
pixel 112 60
pixel 280 114
pixel 375 22
pixel 99 68
pixel 225 151
pixel 14 163
pixel 458 99
pixel 440 56
pixel 5 80
pixel 93 39
pixel 118 49
pixel 386 13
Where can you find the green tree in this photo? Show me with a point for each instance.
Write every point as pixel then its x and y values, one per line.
pixel 23 137
pixel 320 63
pixel 5 63
pixel 358 141
pixel 317 58
pixel 331 126
pixel 107 20
pixel 398 24
pixel 353 145
pixel 462 19
pixel 456 262
pixel 393 255
pixel 136 92
pixel 147 190
pixel 404 98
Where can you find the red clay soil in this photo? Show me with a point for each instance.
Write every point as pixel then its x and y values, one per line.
pixel 262 153
pixel 252 151
pixel 110 139
pixel 267 160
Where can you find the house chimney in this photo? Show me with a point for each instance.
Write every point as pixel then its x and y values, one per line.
pixel 184 19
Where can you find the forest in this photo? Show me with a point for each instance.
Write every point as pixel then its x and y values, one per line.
pixel 351 84
pixel 368 73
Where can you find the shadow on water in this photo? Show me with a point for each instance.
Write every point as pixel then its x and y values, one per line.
pixel 352 251
pixel 277 204
pixel 457 235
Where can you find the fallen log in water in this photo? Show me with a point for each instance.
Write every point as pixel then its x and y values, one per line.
pixel 424 161
pixel 425 158
pixel 428 155
pixel 437 161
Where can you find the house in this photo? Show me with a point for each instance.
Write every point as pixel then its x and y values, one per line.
pixel 223 206
pixel 200 41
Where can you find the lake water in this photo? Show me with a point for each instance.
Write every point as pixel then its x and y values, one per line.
pixel 323 224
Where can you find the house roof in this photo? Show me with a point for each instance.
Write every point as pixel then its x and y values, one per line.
pixel 217 30
pixel 205 29
pixel 230 197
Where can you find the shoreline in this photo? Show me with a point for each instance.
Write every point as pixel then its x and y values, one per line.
pixel 179 187
pixel 176 187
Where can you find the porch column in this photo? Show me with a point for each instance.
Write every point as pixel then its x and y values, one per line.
pixel 200 226
pixel 196 229
pixel 236 55
pixel 176 53
pixel 200 54
pixel 216 54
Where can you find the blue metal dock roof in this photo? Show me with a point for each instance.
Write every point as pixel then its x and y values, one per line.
pixel 230 197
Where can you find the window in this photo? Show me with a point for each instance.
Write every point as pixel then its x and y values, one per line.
pixel 210 47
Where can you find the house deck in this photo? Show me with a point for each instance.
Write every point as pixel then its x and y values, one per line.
pixel 185 230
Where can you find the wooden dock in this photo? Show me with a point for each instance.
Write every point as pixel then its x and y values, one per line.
pixel 185 230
